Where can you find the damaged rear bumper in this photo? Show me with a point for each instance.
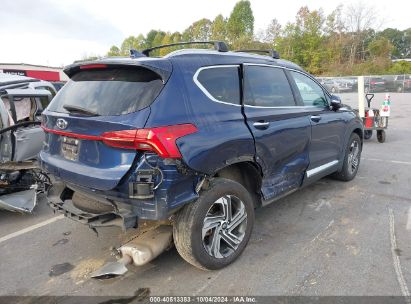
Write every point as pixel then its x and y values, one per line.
pixel 153 190
pixel 60 200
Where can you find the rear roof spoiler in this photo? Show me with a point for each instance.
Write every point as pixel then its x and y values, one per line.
pixel 162 67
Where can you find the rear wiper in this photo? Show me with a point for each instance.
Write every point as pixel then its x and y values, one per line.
pixel 80 110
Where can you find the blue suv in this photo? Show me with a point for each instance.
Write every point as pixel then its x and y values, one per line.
pixel 198 138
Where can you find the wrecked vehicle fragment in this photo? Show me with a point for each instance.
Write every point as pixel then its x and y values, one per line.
pixel 21 138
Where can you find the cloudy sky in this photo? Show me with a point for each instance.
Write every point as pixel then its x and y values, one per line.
pixel 53 32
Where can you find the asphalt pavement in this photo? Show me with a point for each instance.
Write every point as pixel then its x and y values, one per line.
pixel 331 238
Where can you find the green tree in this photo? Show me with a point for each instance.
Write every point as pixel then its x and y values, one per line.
pixel 114 51
pixel 198 31
pixel 166 40
pixel 158 40
pixel 241 21
pixel 150 38
pixel 380 47
pixel 401 67
pixel 132 42
pixel 401 40
pixel 219 28
pixel 303 40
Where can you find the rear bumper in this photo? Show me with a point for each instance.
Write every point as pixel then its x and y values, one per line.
pixel 153 190
pixel 126 212
pixel 59 200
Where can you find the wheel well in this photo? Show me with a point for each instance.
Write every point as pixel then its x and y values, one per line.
pixel 248 175
pixel 360 134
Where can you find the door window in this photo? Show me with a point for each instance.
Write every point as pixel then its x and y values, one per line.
pixel 311 93
pixel 267 87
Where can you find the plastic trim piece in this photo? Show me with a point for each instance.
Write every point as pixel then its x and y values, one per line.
pixel 321 168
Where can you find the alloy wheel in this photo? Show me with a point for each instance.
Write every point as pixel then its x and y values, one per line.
pixel 224 226
pixel 353 157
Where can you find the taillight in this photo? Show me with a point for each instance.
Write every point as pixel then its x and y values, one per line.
pixel 93 66
pixel 161 140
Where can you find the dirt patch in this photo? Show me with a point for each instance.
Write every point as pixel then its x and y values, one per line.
pixel 59 269
pixel 83 270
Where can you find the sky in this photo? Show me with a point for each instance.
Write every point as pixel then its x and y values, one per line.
pixel 57 32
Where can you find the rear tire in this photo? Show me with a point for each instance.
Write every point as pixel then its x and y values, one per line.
pixel 351 159
pixel 210 235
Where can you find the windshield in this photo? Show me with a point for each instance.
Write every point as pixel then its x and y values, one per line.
pixel 111 91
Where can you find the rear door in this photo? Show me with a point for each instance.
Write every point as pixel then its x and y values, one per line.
pixel 97 99
pixel 280 129
pixel 328 126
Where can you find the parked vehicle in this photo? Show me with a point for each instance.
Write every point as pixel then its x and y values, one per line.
pixel 21 139
pixel 337 85
pixel 374 84
pixel 197 137
pixel 398 83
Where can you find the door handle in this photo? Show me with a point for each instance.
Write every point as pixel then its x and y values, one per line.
pixel 316 118
pixel 261 125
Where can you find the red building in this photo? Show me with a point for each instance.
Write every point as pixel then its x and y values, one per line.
pixel 35 71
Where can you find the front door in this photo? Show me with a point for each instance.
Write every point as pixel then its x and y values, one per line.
pixel 328 126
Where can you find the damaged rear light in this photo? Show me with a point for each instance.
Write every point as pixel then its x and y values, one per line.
pixel 161 140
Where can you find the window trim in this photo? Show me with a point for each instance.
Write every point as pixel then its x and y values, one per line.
pixel 205 91
pixel 294 70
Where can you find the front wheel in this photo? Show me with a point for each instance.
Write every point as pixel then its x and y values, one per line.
pixel 212 232
pixel 351 159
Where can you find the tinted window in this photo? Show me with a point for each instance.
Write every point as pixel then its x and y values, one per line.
pixel 221 83
pixel 311 93
pixel 109 91
pixel 267 87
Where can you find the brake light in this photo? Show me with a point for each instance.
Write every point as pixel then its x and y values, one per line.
pixel 161 140
pixel 93 66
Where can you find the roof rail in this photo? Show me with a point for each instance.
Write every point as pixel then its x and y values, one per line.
pixel 218 46
pixel 272 53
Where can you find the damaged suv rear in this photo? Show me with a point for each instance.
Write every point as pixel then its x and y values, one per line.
pixel 198 138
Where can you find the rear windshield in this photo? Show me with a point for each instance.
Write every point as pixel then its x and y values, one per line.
pixel 111 91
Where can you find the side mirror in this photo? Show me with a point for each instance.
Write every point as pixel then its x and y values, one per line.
pixel 335 102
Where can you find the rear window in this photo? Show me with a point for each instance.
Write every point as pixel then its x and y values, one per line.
pixel 111 91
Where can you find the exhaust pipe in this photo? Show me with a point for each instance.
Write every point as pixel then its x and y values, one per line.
pixel 139 251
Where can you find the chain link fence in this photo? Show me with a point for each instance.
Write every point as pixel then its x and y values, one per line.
pixel 373 84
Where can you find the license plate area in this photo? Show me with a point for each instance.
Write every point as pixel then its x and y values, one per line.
pixel 70 148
